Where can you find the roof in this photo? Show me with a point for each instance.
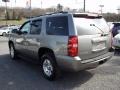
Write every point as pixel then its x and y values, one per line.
pixel 86 15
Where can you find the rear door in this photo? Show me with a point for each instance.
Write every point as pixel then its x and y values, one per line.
pixel 93 36
pixel 57 32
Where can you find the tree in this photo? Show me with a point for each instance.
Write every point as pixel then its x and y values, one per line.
pixel 7 17
pixel 13 15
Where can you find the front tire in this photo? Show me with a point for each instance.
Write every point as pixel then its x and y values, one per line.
pixel 49 67
pixel 12 51
pixel 4 34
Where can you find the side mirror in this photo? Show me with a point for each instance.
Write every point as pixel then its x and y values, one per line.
pixel 20 32
pixel 24 32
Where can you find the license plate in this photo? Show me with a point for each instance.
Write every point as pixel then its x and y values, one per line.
pixel 99 46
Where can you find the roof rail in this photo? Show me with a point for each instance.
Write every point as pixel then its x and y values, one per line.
pixel 61 12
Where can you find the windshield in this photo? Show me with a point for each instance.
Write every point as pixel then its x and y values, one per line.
pixel 89 26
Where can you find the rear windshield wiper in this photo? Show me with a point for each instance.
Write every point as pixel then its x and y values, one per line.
pixel 103 34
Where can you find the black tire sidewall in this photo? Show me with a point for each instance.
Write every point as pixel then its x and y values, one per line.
pixel 12 46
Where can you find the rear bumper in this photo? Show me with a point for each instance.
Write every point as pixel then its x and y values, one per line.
pixel 76 64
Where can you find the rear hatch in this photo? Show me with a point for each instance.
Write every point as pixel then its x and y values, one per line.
pixel 93 35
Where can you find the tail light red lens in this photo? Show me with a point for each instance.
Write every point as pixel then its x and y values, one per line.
pixel 73 46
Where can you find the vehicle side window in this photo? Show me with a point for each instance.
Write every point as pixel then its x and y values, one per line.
pixel 36 27
pixel 57 25
pixel 25 28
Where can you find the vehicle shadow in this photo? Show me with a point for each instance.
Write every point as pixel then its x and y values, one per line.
pixel 117 52
pixel 21 74
pixel 115 61
pixel 71 80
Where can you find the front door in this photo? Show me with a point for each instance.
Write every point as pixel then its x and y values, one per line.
pixel 21 38
pixel 34 38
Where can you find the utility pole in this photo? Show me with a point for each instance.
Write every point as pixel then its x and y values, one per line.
pixel 84 5
pixel 101 6
pixel 118 10
pixel 30 8
pixel 13 11
pixel 41 4
pixel 30 5
pixel 6 12
pixel 15 3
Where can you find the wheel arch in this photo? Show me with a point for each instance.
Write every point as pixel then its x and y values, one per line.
pixel 44 50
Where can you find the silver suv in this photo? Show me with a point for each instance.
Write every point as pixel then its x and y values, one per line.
pixel 63 41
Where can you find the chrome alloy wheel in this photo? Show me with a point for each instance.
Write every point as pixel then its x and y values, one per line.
pixel 47 67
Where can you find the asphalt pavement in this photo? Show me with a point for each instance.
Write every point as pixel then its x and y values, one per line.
pixel 24 75
pixel 3 39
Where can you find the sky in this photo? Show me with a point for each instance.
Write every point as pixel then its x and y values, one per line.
pixel 91 5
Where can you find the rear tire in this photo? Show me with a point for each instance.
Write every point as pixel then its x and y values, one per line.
pixel 12 51
pixel 49 67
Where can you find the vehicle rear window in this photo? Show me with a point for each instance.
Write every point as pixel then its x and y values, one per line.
pixel 89 26
pixel 57 25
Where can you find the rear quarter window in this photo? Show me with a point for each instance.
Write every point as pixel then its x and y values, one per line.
pixel 57 25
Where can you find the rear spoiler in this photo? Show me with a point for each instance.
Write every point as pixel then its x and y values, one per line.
pixel 84 15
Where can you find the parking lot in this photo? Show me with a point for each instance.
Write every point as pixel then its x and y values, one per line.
pixel 23 75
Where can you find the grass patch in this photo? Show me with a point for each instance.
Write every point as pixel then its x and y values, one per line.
pixel 12 22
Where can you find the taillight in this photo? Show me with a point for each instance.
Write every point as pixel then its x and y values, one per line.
pixel 73 46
